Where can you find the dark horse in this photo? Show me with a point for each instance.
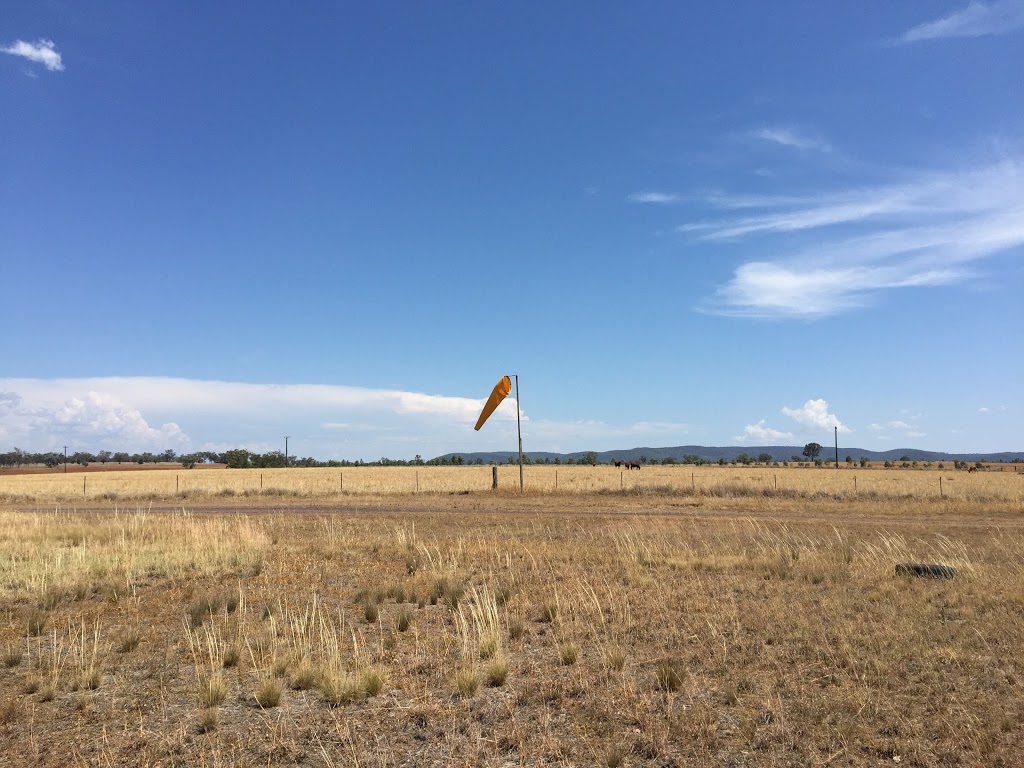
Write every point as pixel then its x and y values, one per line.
pixel 632 465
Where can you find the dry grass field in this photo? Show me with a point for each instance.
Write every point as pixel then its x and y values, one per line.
pixel 667 617
pixel 131 485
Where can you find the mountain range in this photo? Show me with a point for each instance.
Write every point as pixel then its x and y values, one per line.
pixel 713 454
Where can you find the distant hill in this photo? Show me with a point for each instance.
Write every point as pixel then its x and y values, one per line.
pixel 713 454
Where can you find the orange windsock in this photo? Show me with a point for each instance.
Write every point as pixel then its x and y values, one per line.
pixel 502 388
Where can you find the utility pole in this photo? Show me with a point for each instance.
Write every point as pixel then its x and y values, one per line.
pixel 65 459
pixel 286 449
pixel 837 446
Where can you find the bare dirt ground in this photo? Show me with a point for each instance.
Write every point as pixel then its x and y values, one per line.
pixel 502 630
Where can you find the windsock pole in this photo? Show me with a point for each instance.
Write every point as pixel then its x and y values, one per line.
pixel 519 429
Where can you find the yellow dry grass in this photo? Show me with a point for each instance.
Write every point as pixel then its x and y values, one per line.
pixel 640 626
pixel 322 483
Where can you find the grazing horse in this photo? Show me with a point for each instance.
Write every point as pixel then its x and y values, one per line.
pixel 618 463
pixel 632 465
pixel 971 469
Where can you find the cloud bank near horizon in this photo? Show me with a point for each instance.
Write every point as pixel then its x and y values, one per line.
pixel 324 421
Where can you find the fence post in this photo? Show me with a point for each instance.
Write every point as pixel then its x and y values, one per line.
pixel 494 477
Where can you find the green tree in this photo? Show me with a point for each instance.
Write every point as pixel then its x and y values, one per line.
pixel 237 458
pixel 812 450
pixel 764 458
pixel 589 458
pixel 742 459
pixel 188 461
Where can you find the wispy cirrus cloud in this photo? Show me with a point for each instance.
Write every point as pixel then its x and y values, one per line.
pixel 790 137
pixel 658 198
pixel 926 230
pixel 41 52
pixel 976 20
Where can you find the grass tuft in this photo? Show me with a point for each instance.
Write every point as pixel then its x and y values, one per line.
pixel 669 674
pixel 467 680
pixel 268 692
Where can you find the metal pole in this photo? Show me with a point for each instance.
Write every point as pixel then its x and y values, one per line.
pixel 837 447
pixel 519 429
pixel 65 459
pixel 286 449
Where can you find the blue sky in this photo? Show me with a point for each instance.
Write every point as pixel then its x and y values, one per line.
pixel 679 223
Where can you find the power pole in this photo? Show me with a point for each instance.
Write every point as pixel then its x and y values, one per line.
pixel 837 447
pixel 286 449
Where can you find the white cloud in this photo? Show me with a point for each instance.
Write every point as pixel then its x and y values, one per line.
pixel 928 231
pixel 792 138
pixel 41 52
pixel 760 432
pixel 80 416
pixel 661 198
pixel 976 20
pixel 814 414
pixel 986 410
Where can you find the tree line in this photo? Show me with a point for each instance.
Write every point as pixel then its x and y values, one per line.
pixel 240 458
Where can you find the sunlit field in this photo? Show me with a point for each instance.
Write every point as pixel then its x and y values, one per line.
pixel 411 616
pixel 326 484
